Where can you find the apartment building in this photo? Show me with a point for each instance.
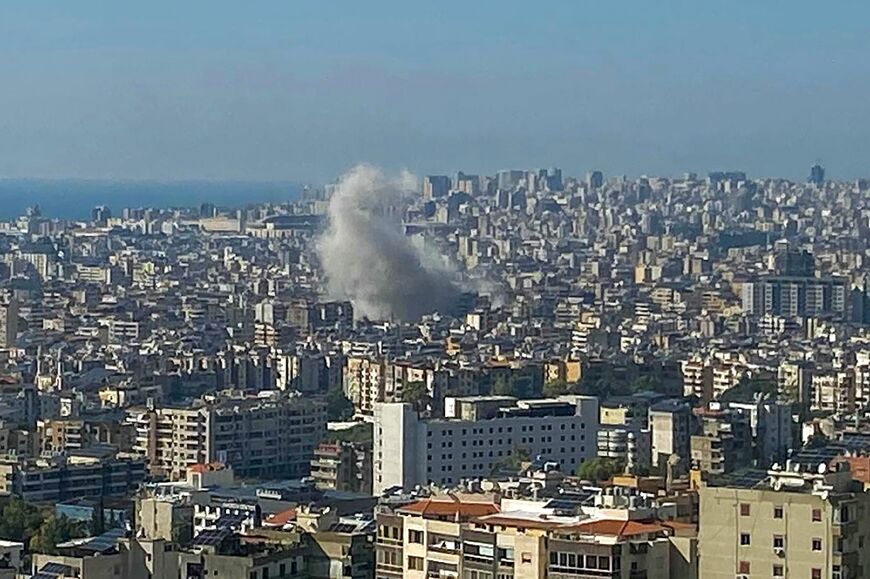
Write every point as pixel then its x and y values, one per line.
pixel 671 424
pixel 364 382
pixel 59 435
pixel 794 296
pixel 697 379
pixel 343 466
pixel 785 523
pixel 476 435
pixel 271 435
pixel 90 475
pixel 476 536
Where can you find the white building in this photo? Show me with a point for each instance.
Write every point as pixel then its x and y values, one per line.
pixel 477 435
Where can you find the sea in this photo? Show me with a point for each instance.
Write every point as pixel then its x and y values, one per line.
pixel 74 199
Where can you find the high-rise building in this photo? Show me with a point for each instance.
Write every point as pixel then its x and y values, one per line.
pixel 817 174
pixel 554 179
pixel 595 180
pixel 789 261
pixel 101 214
pixel 435 186
pixel 793 296
pixel 8 324
pixel 509 179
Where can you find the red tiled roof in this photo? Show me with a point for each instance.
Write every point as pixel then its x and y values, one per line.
pixel 616 528
pixel 280 519
pixel 207 467
pixel 446 508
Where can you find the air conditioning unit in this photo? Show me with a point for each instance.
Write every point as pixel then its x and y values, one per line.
pixel 779 551
pixel 742 577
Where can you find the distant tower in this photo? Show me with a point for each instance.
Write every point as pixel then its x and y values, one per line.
pixel 595 180
pixel 817 174
pixel 100 215
pixel 435 186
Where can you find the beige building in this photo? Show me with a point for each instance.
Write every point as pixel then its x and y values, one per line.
pixel 478 537
pixel 788 523
pixel 266 436
pixel 364 383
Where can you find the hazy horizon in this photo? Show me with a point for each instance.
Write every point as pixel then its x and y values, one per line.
pixel 303 91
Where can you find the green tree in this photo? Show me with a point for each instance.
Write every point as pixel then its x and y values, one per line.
pixel 98 520
pixel 507 386
pixel 500 386
pixel 362 433
pixel 600 469
pixel 19 520
pixel 560 387
pixel 417 394
pixel 518 456
pixel 338 407
pixel 53 531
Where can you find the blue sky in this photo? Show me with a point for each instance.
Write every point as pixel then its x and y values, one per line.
pixel 301 90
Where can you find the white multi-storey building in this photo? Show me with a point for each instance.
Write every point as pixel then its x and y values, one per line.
pixel 477 435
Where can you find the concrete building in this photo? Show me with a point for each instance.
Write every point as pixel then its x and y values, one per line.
pixel 435 186
pixel 787 523
pixel 94 475
pixel 794 296
pixel 470 536
pixel 8 323
pixel 271 435
pixel 410 451
pixel 671 425
pixel 343 466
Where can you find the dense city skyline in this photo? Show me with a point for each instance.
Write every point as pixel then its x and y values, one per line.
pixel 453 290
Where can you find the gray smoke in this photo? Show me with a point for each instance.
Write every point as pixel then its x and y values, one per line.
pixel 367 258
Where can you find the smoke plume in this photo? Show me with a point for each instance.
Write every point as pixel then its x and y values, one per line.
pixel 368 259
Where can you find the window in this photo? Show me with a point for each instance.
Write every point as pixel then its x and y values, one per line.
pixel 777 512
pixel 527 558
pixel 817 544
pixel 743 568
pixel 778 542
pixel 744 509
pixel 817 515
pixel 817 574
pixel 415 537
pixel 778 571
pixel 745 539
pixel 415 563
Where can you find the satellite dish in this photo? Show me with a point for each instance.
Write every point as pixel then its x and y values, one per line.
pixel 823 468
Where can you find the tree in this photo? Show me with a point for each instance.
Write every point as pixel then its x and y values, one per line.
pixel 518 456
pixel 417 394
pixel 503 385
pixel 19 520
pixel 559 388
pixel 98 520
pixel 338 407
pixel 362 433
pixel 53 531
pixel 600 469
